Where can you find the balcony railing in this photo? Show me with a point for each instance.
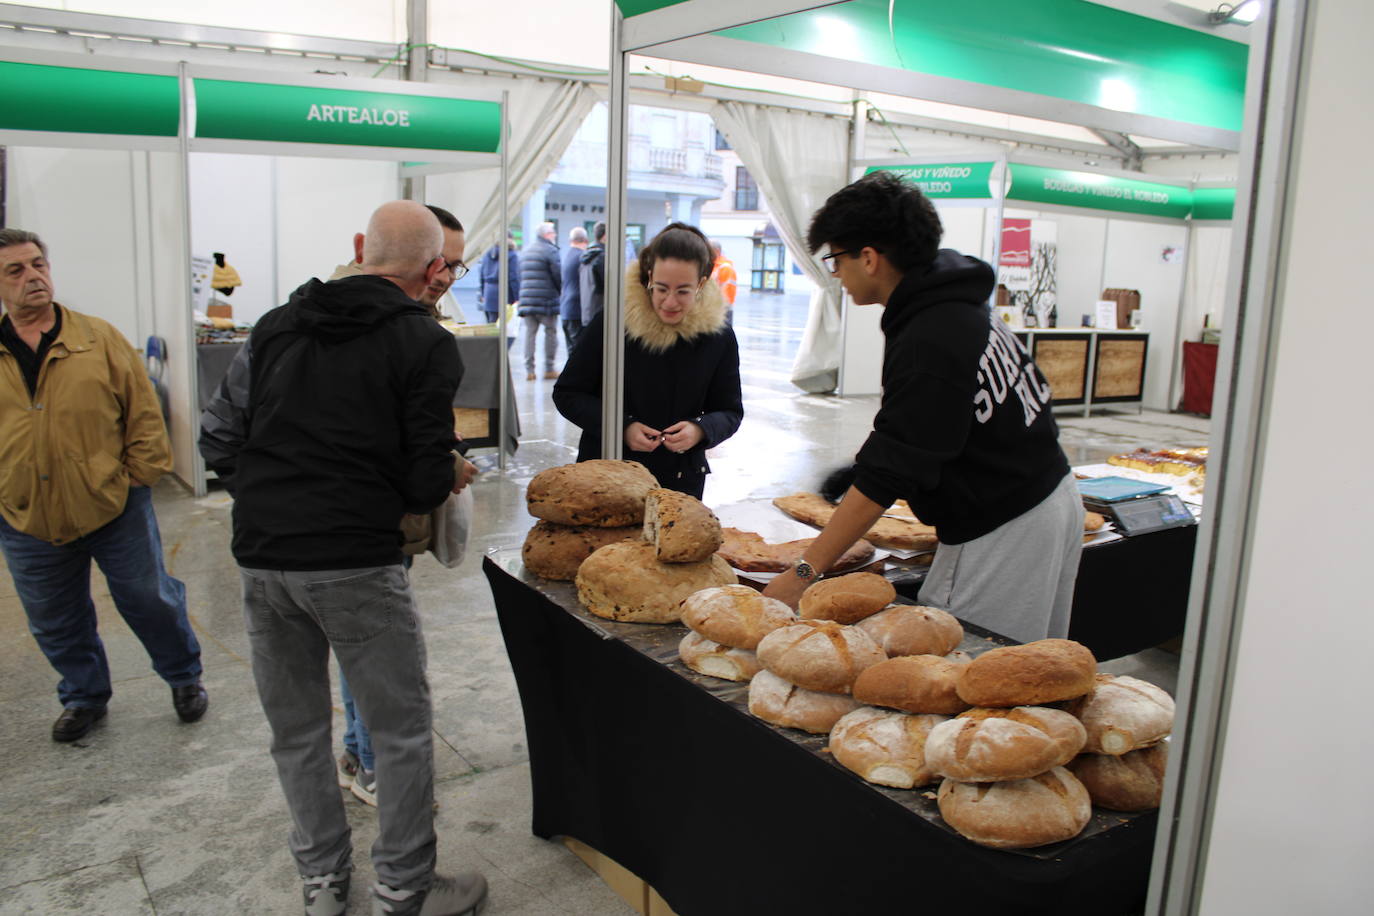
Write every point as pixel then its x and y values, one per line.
pixel 668 161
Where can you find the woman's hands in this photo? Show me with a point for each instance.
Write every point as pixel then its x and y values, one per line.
pixel 682 436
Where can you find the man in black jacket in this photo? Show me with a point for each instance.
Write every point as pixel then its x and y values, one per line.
pixel 592 275
pixel 541 286
pixel 335 419
pixel 964 432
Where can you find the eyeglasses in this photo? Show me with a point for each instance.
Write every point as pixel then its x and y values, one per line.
pixel 829 259
pixel 457 268
pixel 682 295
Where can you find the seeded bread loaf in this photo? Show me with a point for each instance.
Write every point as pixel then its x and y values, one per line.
pixel 626 582
pixel 1130 782
pixel 912 683
pixel 680 527
pixel 1047 808
pixel 884 747
pixel 1044 671
pixel 1123 714
pixel 600 492
pixel 711 658
pixel 735 615
pixel 774 700
pixel 995 745
pixel 846 599
pixel 819 654
pixel 557 551
pixel 905 629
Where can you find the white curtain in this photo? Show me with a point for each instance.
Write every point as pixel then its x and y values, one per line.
pixel 544 116
pixel 798 160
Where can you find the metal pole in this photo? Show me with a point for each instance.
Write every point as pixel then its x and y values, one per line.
pixel 503 291
pixel 192 386
pixel 417 70
pixel 1174 363
pixel 613 311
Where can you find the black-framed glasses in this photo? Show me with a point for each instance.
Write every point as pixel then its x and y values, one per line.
pixel 829 259
pixel 457 268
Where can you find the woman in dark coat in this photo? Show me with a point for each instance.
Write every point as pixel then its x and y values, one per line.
pixel 682 388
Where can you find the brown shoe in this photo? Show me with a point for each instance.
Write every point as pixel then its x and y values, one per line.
pixel 550 375
pixel 529 376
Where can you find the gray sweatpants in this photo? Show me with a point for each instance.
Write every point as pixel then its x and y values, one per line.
pixel 532 325
pixel 367 616
pixel 1016 580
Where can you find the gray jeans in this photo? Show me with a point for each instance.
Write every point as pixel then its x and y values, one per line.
pixel 1018 579
pixel 367 616
pixel 532 325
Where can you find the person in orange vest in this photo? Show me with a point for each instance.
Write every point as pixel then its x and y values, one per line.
pixel 723 273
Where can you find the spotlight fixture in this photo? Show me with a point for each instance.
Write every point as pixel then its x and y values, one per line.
pixel 1242 13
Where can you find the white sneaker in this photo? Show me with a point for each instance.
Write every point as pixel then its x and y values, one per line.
pixel 364 787
pixel 326 895
pixel 461 895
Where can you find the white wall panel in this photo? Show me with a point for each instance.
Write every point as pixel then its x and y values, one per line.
pixel 1134 261
pixel 170 295
pixel 232 212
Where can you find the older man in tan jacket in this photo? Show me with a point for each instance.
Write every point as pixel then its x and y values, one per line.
pixel 81 441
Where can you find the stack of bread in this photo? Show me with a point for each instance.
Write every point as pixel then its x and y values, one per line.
pixel 1128 722
pixel 581 508
pixel 726 625
pixel 810 666
pixel 1003 760
pixel 646 580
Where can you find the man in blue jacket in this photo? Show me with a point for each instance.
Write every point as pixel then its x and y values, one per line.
pixel 570 299
pixel 334 420
pixel 541 286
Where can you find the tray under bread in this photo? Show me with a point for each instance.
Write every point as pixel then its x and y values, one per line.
pixel 659 642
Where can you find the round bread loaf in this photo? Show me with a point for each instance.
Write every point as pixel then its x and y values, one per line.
pixel 884 747
pixel 846 599
pixel 735 615
pixel 556 551
pixel 819 654
pixel 995 745
pixel 906 629
pixel 774 700
pixel 626 582
pixel 714 660
pixel 680 527
pixel 959 657
pixel 1131 782
pixel 1044 671
pixel 600 493
pixel 1043 809
pixel 1123 714
pixel 912 683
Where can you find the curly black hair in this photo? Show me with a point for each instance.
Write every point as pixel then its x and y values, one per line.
pixel 883 212
pixel 680 242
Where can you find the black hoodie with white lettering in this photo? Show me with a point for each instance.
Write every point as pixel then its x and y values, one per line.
pixel 964 432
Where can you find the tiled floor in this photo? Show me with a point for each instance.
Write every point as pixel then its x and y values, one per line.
pixel 146 815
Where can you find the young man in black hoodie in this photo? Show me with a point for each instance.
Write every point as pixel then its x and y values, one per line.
pixel 335 419
pixel 964 432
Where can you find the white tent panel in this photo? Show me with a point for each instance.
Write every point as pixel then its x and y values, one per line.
pixel 169 292
pixel 362 20
pixel 556 31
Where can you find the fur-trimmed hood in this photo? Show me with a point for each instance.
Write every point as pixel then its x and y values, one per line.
pixel 642 323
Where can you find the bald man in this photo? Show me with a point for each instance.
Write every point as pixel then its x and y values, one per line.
pixel 336 419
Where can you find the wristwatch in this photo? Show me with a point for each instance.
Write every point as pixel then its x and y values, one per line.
pixel 806 571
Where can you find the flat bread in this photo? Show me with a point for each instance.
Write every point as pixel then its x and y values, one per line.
pixel 892 533
pixel 749 552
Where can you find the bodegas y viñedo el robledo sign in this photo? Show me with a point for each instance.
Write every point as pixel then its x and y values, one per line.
pixel 234 110
pixel 962 180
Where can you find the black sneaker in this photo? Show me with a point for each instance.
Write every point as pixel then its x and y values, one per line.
pixel 75 721
pixel 326 895
pixel 190 701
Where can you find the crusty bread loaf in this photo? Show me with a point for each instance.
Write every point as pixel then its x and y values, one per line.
pixel 1130 782
pixel 1043 809
pixel 680 527
pixel 846 599
pixel 884 747
pixel 912 683
pixel 557 551
pixel 1044 671
pixel 749 552
pixel 711 658
pixel 1123 714
pixel 1093 521
pixel 626 582
pixel 893 533
pixel 735 615
pixel 819 654
pixel 959 657
pixel 600 492
pixel 774 700
pixel 905 629
pixel 995 745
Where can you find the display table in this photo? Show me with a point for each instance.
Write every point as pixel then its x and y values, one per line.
pixel 665 772
pixel 1089 366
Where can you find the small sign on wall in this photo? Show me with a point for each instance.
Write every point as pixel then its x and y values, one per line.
pixel 1106 314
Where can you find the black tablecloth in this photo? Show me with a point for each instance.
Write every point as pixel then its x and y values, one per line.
pixel 723 814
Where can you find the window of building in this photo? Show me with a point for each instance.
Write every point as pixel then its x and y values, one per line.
pixel 746 191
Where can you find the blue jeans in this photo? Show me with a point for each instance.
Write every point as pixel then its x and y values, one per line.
pixel 54 585
pixel 357 739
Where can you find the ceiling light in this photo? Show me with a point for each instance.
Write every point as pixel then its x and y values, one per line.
pixel 1243 13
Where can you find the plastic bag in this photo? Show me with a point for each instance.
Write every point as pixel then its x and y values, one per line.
pixel 451 523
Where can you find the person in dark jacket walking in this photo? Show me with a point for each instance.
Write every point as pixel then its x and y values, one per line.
pixel 682 387
pixel 591 279
pixel 541 284
pixel 335 419
pixel 489 279
pixel 964 431
pixel 570 298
